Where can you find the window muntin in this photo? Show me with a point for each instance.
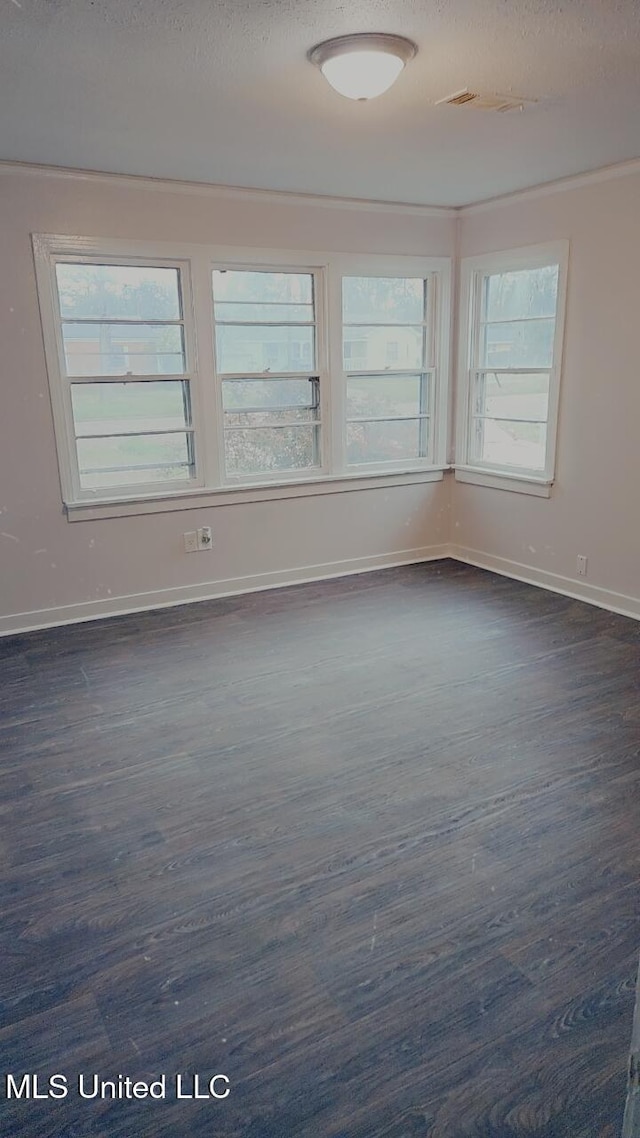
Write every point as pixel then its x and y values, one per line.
pixel 266 360
pixel 513 345
pixel 123 365
pixel 390 377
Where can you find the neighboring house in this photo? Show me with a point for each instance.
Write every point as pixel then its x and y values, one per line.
pixel 384 347
pixel 106 349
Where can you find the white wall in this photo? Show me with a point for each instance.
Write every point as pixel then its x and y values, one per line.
pixel 594 508
pixel 53 570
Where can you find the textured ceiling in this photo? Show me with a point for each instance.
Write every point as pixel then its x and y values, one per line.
pixel 220 91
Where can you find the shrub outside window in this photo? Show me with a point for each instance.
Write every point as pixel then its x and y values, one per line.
pixel 266 361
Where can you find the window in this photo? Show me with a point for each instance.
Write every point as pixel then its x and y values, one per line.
pixel 124 385
pixel 512 346
pixel 180 374
pixel 266 346
pixel 387 357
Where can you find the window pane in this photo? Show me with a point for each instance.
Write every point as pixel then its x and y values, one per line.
pixel 383 300
pixel 123 349
pixel 265 313
pixel 109 408
pixel 513 396
pixel 528 292
pixel 399 349
pixel 121 461
pixel 510 444
pixel 524 343
pixel 258 349
pixel 269 418
pixel 238 393
pixel 240 295
pixel 263 451
pixel 386 442
pixel 115 292
pixel 384 395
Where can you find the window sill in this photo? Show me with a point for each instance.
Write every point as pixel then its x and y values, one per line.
pixel 498 480
pixel 237 495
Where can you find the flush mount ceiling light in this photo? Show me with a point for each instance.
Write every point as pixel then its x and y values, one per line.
pixel 362 66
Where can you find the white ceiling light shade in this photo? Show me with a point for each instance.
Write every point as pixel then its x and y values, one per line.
pixel 362 66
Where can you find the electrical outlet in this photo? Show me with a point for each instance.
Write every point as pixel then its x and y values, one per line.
pixel 581 565
pixel 190 542
pixel 205 540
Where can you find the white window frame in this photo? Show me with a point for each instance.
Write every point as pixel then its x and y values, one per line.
pixel 210 485
pixel 319 369
pixel 427 371
pixel 473 271
pixel 49 252
pixel 436 272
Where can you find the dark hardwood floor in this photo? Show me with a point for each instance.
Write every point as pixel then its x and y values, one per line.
pixel 368 847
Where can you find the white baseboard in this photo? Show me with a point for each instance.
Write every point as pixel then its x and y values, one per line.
pixel 554 582
pixel 210 590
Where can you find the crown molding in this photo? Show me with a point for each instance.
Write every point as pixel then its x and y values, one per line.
pixel 560 185
pixel 238 193
pixel 285 197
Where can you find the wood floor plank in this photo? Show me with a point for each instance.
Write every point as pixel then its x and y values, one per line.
pixel 367 846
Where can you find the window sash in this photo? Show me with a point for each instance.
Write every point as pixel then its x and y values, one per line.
pixel 313 424
pixel 425 415
pixel 478 419
pixel 221 322
pixel 67 381
pixel 188 463
pixel 477 376
pixel 476 272
pixel 313 375
pixel 426 370
pixel 423 423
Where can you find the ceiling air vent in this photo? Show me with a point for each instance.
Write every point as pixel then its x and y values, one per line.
pixel 501 103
